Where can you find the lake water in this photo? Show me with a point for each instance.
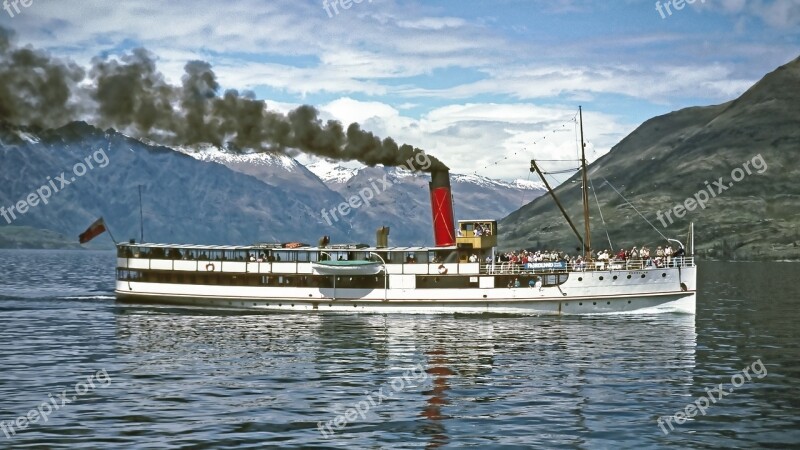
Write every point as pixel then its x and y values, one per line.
pixel 160 377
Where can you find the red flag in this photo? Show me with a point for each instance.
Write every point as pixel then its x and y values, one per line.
pixel 95 229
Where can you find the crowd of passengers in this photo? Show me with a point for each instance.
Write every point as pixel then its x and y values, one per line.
pixel 662 257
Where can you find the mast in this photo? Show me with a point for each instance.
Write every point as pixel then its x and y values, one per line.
pixel 587 249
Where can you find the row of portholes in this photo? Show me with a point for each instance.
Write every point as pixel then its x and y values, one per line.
pixel 280 305
pixel 663 275
pixel 593 303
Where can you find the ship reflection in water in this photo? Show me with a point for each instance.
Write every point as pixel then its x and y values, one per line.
pixel 438 398
pixel 522 377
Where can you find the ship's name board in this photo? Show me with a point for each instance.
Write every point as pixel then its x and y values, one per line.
pixel 559 265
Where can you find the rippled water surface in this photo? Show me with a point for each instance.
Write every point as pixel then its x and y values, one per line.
pixel 191 378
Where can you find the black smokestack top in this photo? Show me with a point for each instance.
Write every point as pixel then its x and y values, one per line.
pixel 132 96
pixel 440 178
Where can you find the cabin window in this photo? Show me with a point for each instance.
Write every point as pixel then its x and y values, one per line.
pixel 129 275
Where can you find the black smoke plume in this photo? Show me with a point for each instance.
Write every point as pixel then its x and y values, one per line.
pixel 35 89
pixel 130 94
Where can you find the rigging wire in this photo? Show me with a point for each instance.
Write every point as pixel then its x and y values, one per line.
pixel 573 119
pixel 634 208
pixel 523 191
pixel 558 172
pixel 591 183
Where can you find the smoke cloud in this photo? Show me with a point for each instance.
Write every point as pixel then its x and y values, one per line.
pixel 130 94
pixel 35 89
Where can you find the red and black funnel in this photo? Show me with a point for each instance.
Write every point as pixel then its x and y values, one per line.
pixel 444 233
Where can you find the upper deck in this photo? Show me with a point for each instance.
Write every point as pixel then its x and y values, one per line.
pixel 298 259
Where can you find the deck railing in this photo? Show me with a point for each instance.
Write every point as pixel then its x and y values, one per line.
pixel 296 267
pixel 556 267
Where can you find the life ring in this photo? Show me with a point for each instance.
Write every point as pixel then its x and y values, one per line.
pixel 210 267
pixel 442 269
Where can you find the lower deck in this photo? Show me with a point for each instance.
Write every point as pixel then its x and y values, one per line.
pixel 598 291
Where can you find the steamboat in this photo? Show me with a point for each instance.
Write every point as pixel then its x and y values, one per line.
pixel 461 273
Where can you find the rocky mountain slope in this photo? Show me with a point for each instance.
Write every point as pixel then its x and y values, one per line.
pixel 401 201
pixel 184 199
pixel 210 196
pixel 738 158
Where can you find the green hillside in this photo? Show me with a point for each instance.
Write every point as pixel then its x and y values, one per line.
pixel 678 156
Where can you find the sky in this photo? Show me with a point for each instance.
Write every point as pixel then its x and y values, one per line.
pixel 483 85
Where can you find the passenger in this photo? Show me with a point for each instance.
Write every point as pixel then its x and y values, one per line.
pixel 668 255
pixel 473 258
pixel 679 254
pixel 516 282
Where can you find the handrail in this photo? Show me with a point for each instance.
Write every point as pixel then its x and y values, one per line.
pixel 496 268
pixel 628 265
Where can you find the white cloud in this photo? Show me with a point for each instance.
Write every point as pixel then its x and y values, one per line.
pixel 651 83
pixel 391 55
pixel 495 140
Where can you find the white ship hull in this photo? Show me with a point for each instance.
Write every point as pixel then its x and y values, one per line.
pixel 655 290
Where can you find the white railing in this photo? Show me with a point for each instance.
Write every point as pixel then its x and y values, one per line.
pixel 635 264
pixel 295 267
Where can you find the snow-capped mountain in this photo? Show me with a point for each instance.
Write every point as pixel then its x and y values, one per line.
pixel 406 201
pixel 271 168
pixel 331 172
pixel 403 205
pixel 207 194
pixel 185 199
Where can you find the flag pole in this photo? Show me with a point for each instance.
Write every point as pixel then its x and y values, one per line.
pixel 109 231
pixel 141 215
